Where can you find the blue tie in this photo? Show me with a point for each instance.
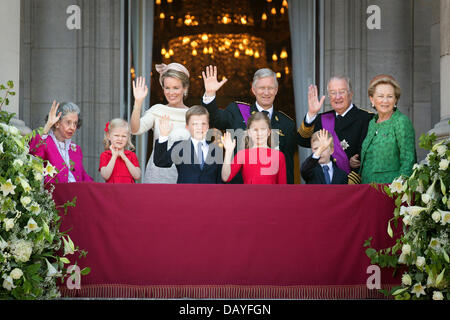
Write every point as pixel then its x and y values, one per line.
pixel 200 155
pixel 326 174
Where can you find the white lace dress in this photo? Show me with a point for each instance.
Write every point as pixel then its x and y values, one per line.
pixel 150 120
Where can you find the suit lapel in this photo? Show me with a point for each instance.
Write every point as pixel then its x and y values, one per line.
pixel 335 174
pixel 51 144
pixel 320 174
pixel 275 121
pixel 369 137
pixel 253 109
pixel 210 156
pixel 194 158
pixel 349 118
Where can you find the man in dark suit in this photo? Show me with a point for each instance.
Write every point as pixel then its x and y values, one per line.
pixel 346 122
pixel 196 160
pixel 320 168
pixel 235 115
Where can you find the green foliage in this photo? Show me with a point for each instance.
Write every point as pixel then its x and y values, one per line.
pixel 30 236
pixel 422 207
pixel 426 141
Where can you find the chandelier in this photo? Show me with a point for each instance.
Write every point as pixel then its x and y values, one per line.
pixel 235 55
pixel 229 34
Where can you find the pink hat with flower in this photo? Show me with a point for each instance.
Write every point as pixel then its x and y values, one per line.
pixel 162 68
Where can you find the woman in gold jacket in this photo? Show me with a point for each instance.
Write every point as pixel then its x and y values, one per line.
pixel 388 150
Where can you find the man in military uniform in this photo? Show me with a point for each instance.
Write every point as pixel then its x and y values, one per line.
pixel 346 122
pixel 235 115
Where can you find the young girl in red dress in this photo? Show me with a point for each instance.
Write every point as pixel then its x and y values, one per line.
pixel 117 164
pixel 259 163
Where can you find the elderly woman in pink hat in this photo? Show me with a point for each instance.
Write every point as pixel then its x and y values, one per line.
pixel 174 79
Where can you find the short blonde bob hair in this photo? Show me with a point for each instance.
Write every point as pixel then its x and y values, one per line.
pixel 117 123
pixel 384 79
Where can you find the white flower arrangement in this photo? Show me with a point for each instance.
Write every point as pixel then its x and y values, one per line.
pixel 422 207
pixel 30 238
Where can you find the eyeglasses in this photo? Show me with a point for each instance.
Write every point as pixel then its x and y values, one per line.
pixel 69 123
pixel 334 94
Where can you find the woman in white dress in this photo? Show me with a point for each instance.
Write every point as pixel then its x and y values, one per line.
pixel 174 79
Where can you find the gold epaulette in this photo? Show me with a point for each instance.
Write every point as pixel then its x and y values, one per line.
pixel 285 114
pixel 366 110
pixel 354 178
pixel 240 102
pixel 305 132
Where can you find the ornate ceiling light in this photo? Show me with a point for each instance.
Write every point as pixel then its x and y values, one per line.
pixel 229 34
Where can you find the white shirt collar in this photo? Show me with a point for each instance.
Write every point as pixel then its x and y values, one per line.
pixel 346 111
pixel 63 148
pixel 60 144
pixel 195 142
pixel 329 165
pixel 261 109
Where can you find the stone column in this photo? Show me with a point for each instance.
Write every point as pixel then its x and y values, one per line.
pixel 422 71
pixel 10 49
pixel 345 46
pixel 389 49
pixel 81 65
pixel 442 129
pixel 10 58
pixel 435 52
pixel 445 59
pixel 303 38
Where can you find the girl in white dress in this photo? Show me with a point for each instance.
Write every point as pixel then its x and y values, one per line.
pixel 174 79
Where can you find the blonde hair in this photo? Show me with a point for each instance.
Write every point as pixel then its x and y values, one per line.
pixel 177 75
pixel 315 137
pixel 384 79
pixel 117 123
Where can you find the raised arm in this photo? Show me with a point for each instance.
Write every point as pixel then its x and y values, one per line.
pixel 107 170
pixel 52 117
pixel 314 105
pixel 311 121
pixel 324 143
pixel 162 156
pixel 219 118
pixel 229 145
pixel 140 91
pixel 306 170
pixel 210 81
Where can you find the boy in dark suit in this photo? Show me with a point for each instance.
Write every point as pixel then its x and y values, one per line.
pixel 195 159
pixel 319 168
